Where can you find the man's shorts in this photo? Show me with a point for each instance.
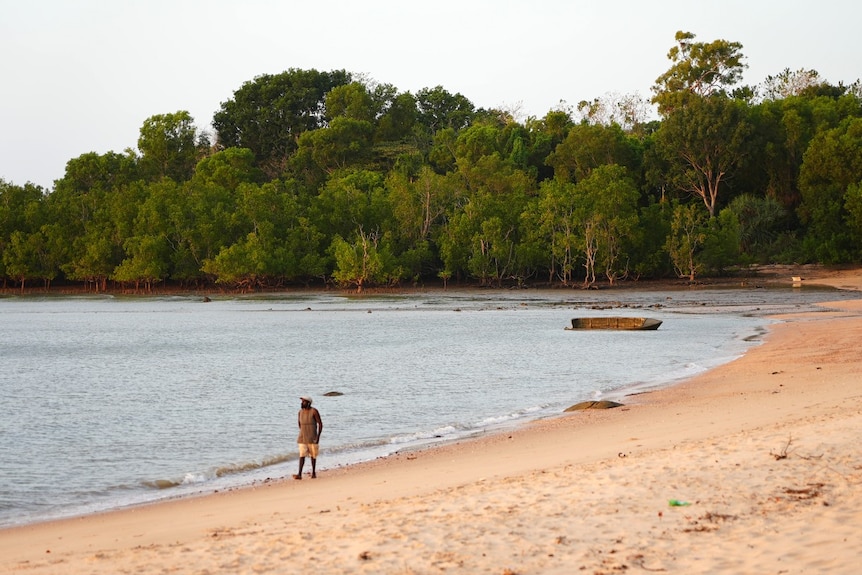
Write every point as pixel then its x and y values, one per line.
pixel 306 449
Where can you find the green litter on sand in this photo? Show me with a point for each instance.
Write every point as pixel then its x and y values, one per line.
pixel 678 503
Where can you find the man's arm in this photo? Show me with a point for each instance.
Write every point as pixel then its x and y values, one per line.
pixel 319 423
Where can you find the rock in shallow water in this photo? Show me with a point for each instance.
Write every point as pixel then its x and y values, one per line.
pixel 594 405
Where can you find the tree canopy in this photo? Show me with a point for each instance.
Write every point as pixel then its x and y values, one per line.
pixel 318 178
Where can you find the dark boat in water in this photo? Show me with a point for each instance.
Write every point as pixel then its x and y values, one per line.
pixel 633 323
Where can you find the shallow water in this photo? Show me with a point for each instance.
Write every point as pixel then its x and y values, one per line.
pixel 113 401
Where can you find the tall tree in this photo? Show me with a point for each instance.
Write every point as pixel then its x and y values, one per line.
pixel 688 233
pixel 350 200
pixel 783 130
pixel 588 146
pixel 153 246
pixel 268 114
pixel 699 69
pixel 229 168
pixel 168 146
pixel 23 249
pixel 418 204
pixel 481 233
pixel 606 211
pixel 343 143
pixel 17 204
pixel 704 142
pixel 830 177
pixel 545 135
pixel 440 109
pixel 365 261
pixel 271 251
pixel 550 222
pixel 351 101
pixel 787 84
pixel 90 204
pixel 398 116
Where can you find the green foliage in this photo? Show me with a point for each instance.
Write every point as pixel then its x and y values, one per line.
pixel 228 168
pixel 606 204
pixel 831 166
pixel 552 229
pixel 365 262
pixel 417 261
pixel 699 69
pixel 268 114
pixel 761 220
pixel 397 118
pixel 588 146
pixel 147 262
pixel 721 243
pixel 687 235
pixel 703 143
pixel 243 264
pixel 784 129
pixel 168 146
pixel 419 203
pixel 346 202
pixel 479 240
pixel 788 84
pixel 853 205
pixel 344 143
pixel 351 101
pixel 648 256
pixel 698 244
pixel 315 178
pixel 439 109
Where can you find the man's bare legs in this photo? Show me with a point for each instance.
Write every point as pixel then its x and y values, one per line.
pixel 313 468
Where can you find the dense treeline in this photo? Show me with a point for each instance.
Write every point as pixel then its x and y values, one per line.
pixel 324 177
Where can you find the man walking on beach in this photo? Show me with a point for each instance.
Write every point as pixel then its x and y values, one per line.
pixel 310 428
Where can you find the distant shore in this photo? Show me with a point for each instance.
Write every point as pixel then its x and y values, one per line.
pixel 754 275
pixel 752 467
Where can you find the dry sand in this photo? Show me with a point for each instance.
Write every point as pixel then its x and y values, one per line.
pixel 764 450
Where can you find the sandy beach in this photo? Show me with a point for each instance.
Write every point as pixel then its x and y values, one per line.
pixel 761 454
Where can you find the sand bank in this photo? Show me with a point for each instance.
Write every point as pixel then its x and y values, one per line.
pixel 764 453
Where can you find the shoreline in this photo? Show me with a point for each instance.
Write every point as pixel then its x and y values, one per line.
pixel 762 275
pixel 587 491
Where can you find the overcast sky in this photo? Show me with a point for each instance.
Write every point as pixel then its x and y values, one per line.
pixel 80 76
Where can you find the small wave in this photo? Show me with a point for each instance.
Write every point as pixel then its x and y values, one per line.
pixel 195 478
pixel 161 483
pixel 188 479
pixel 513 416
pixel 238 468
pixel 438 433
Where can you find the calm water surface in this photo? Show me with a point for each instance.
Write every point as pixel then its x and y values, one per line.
pixel 112 401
